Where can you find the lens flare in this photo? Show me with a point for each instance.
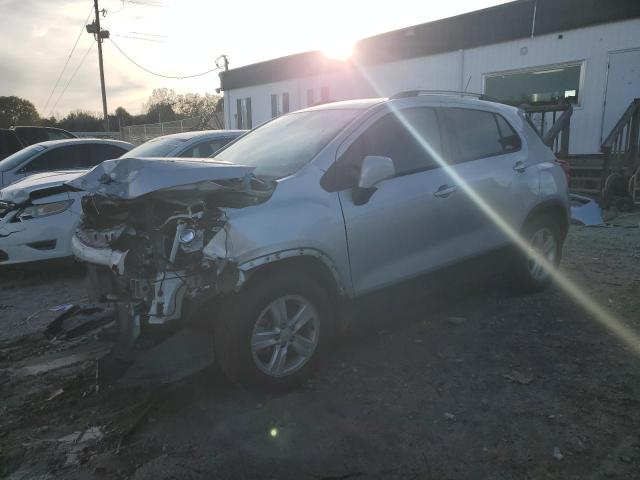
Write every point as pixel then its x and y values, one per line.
pixel 570 288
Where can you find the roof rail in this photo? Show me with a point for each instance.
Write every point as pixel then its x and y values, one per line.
pixel 416 93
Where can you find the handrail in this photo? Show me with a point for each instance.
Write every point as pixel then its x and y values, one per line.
pixel 620 148
pixel 557 137
pixel 561 125
pixel 624 119
pixel 558 107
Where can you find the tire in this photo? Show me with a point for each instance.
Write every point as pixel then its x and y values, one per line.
pixel 543 233
pixel 250 331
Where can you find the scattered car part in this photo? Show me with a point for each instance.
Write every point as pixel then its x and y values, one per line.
pixel 585 210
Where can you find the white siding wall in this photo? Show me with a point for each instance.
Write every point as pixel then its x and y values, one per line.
pixel 452 71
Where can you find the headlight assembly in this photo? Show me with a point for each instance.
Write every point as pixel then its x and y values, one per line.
pixel 43 210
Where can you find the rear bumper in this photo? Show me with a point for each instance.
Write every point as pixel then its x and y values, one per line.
pixel 36 240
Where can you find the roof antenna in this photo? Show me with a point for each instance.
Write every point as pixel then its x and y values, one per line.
pixel 467 85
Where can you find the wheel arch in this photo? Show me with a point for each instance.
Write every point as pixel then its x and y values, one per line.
pixel 308 260
pixel 554 209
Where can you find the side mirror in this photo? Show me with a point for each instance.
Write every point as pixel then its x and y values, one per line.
pixel 374 170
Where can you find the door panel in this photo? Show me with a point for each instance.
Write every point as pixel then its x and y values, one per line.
pixel 404 230
pixel 400 231
pixel 487 154
pixel 623 85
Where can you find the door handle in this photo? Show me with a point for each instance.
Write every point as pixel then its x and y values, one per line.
pixel 520 166
pixel 444 191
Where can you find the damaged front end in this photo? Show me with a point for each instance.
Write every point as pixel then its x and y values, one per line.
pixel 145 230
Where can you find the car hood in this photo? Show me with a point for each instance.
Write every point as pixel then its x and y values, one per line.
pixel 20 191
pixel 130 178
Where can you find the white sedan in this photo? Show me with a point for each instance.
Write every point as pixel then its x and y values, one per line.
pixel 39 214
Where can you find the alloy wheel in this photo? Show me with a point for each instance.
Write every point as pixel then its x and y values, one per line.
pixel 285 336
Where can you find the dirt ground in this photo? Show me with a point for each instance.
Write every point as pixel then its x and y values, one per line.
pixel 473 382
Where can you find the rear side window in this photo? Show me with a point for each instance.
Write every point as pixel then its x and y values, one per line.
pixel 8 143
pixel 405 136
pixel 478 134
pixel 205 149
pixel 100 153
pixel 58 135
pixel 62 158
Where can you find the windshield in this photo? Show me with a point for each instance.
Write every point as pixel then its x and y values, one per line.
pixel 157 147
pixel 281 147
pixel 12 161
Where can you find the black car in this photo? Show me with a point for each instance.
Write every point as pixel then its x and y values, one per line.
pixel 16 138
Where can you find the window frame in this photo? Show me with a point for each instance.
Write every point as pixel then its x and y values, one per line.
pixel 327 181
pixel 51 151
pixel 539 68
pixel 453 140
pixel 91 148
pixel 197 144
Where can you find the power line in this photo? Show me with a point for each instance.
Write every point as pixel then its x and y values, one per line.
pixel 147 4
pixel 67 62
pixel 72 76
pixel 160 74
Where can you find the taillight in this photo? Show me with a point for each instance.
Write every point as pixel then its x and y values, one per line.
pixel 566 167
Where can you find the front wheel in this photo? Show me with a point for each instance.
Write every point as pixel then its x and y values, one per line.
pixel 532 268
pixel 273 333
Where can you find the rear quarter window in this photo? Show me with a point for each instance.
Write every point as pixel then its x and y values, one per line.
pixel 479 134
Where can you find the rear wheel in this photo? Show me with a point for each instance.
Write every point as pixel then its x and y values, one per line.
pixel 273 333
pixel 532 268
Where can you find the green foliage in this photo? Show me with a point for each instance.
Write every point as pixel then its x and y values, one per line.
pixel 164 105
pixel 17 111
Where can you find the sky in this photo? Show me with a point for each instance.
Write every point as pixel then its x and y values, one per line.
pixel 178 38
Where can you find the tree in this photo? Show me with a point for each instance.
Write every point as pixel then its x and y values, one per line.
pixel 196 105
pixel 82 121
pixel 122 118
pixel 17 111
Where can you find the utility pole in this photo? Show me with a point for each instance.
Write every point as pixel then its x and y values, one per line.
pixel 100 35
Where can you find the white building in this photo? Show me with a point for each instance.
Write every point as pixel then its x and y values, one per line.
pixel 585 52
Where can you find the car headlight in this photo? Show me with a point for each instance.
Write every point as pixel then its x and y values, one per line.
pixel 43 210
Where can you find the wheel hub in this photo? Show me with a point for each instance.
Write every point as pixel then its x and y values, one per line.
pixel 285 336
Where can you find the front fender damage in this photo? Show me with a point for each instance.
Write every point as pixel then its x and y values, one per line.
pixel 157 255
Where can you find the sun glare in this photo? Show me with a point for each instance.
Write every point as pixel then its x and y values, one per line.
pixel 339 49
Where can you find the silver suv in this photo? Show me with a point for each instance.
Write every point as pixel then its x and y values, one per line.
pixel 267 240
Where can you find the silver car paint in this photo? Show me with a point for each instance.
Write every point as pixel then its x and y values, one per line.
pixel 404 230
pixel 130 178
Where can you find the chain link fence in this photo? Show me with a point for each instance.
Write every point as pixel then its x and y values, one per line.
pixel 138 134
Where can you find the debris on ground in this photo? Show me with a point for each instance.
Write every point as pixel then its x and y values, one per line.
pixel 557 454
pixel 456 320
pixel 517 377
pixel 523 370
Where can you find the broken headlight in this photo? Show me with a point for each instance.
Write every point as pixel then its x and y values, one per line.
pixel 43 210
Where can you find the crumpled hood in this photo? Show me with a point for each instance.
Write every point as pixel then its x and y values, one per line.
pixel 130 178
pixel 20 191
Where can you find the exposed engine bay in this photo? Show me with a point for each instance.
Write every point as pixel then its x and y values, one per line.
pixel 147 254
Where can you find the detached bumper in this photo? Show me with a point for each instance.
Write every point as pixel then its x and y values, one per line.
pixel 38 239
pixel 113 259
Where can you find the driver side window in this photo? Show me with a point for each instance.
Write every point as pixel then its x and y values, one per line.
pixel 410 137
pixel 61 158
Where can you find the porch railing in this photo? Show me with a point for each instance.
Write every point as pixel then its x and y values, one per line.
pixel 553 124
pixel 621 149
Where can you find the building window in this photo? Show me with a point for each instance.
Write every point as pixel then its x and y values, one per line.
pixel 316 96
pixel 279 104
pixel 324 94
pixel 548 85
pixel 243 115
